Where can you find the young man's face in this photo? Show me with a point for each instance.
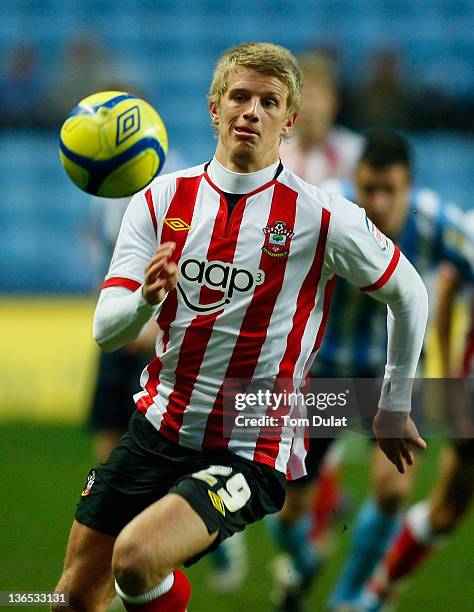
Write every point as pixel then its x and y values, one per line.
pixel 384 193
pixel 251 120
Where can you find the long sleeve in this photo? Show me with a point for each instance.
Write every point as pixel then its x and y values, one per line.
pixel 122 311
pixel 407 313
pixel 365 257
pixel 120 316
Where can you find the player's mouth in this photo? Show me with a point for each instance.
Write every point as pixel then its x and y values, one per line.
pixel 245 132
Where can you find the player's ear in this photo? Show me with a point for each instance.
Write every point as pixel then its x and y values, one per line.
pixel 214 112
pixel 289 125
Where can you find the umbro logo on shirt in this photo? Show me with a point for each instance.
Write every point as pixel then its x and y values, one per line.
pixel 177 224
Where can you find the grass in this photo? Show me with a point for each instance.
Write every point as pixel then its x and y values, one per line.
pixel 43 469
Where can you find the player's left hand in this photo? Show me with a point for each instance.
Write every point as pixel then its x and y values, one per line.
pixel 396 435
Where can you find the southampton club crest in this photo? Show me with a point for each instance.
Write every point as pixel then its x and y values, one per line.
pixel 277 239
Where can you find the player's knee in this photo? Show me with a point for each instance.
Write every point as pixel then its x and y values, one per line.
pixel 128 567
pixel 133 569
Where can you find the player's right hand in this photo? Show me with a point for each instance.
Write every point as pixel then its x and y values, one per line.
pixel 396 435
pixel 161 274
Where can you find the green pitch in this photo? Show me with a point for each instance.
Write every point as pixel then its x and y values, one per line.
pixel 43 469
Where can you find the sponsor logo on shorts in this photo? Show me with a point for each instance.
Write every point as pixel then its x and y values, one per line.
pixel 217 502
pixel 90 482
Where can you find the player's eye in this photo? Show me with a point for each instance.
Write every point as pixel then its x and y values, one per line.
pixel 269 103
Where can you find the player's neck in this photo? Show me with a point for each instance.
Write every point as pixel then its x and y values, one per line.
pixel 239 182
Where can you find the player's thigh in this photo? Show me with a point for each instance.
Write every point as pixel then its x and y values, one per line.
pixel 87 573
pixel 163 536
pixel 390 487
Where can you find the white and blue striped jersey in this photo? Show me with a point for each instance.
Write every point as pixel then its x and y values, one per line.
pixel 355 343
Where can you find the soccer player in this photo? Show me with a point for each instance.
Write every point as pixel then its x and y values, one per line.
pixel 429 522
pixel 236 258
pixel 428 231
pixel 319 149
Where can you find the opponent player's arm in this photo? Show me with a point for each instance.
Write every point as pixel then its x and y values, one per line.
pixel 447 286
pixel 455 252
pixel 358 252
pixel 139 278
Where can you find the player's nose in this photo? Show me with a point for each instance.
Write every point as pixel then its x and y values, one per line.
pixel 251 113
pixel 380 203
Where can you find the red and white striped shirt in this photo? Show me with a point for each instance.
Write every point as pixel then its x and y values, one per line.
pixel 253 296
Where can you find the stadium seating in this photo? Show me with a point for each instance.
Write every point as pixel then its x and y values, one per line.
pixel 44 218
pixel 167 51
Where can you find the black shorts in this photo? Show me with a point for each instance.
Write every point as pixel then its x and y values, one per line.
pixel 228 493
pixel 118 378
pixel 464 448
pixel 317 450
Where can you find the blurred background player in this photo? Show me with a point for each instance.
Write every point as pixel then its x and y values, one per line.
pixel 424 226
pixel 319 149
pixel 429 522
pixel 354 347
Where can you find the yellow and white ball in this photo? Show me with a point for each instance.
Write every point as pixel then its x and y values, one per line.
pixel 113 144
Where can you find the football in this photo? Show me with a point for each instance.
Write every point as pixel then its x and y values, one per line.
pixel 112 144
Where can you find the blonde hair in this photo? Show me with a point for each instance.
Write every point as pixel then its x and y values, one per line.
pixel 266 58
